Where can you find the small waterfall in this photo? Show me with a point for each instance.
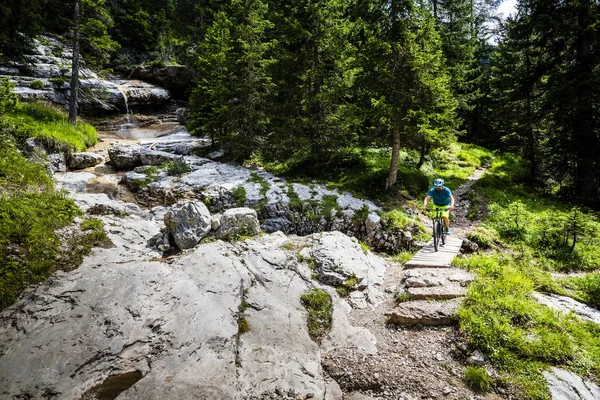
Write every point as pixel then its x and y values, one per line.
pixel 127 124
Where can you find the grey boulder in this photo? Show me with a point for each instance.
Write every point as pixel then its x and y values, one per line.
pixel 84 160
pixel 188 222
pixel 238 220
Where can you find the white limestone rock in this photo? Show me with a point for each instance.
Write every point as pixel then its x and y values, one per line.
pixel 338 257
pixel 125 156
pixel 565 385
pixel 74 181
pixel 85 160
pixel 238 220
pixel 188 222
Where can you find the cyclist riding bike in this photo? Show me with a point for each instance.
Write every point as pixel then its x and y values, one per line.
pixel 442 197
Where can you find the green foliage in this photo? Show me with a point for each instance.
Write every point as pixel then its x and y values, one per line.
pixel 402 257
pixel 50 125
pixel 403 296
pixel 37 84
pixel 585 288
pixel 520 336
pixel 477 379
pixel 319 306
pixel 349 285
pixel 528 222
pixel 30 211
pixel 397 219
pixel 243 324
pixel 24 17
pixel 58 81
pixel 8 99
pixel 485 238
pixel 97 45
pixel 95 228
pixel 176 167
pixel 364 246
pixel 362 213
pixel 239 196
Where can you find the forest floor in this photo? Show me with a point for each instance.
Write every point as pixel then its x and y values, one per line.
pixel 412 362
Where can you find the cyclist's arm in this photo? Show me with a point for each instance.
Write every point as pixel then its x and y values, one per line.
pixel 425 201
pixel 451 202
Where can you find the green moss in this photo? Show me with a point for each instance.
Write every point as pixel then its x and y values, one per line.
pixel 319 306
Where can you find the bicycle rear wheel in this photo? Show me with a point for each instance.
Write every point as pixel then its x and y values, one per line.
pixel 436 236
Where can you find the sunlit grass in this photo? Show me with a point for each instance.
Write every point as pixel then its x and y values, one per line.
pixel 520 337
pixel 50 124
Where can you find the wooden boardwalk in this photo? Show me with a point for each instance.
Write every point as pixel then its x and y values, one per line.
pixel 428 257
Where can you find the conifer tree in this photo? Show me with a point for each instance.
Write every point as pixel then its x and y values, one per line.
pixel 312 117
pixel 229 100
pixel 404 78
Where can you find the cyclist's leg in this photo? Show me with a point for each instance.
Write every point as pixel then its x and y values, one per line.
pixel 445 215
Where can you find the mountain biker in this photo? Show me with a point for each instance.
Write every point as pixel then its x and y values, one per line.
pixel 442 197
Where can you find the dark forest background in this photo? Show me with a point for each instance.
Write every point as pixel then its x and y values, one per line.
pixel 308 82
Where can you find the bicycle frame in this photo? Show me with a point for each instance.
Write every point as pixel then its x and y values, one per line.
pixel 439 233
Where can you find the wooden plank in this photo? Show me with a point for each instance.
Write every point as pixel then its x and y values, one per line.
pixel 428 257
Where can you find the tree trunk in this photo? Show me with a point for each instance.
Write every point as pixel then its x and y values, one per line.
pixel 393 174
pixel 423 152
pixel 74 68
pixel 587 143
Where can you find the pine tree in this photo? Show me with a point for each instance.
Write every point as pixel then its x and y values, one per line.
pixel 312 117
pixel 404 78
pixel 229 100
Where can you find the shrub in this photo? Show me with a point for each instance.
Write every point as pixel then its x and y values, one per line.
pixel 8 99
pixel 177 167
pixel 37 84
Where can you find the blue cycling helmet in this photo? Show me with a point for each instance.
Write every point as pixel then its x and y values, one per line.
pixel 438 182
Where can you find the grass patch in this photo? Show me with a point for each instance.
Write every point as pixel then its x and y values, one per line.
pixel 585 289
pixel 50 125
pixel 403 257
pixel 559 235
pixel 319 306
pixel 80 244
pixel 521 337
pixel 239 196
pixel 349 285
pixel 31 209
pixel 477 379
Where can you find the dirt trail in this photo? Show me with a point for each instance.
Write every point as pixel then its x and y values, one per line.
pixel 461 224
pixel 412 362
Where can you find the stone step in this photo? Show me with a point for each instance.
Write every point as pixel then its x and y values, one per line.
pixel 432 277
pixel 425 312
pixel 437 292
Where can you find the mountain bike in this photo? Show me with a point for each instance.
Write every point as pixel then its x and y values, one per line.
pixel 439 230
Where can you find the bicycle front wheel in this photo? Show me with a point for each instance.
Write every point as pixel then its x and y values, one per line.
pixel 436 235
pixel 443 233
